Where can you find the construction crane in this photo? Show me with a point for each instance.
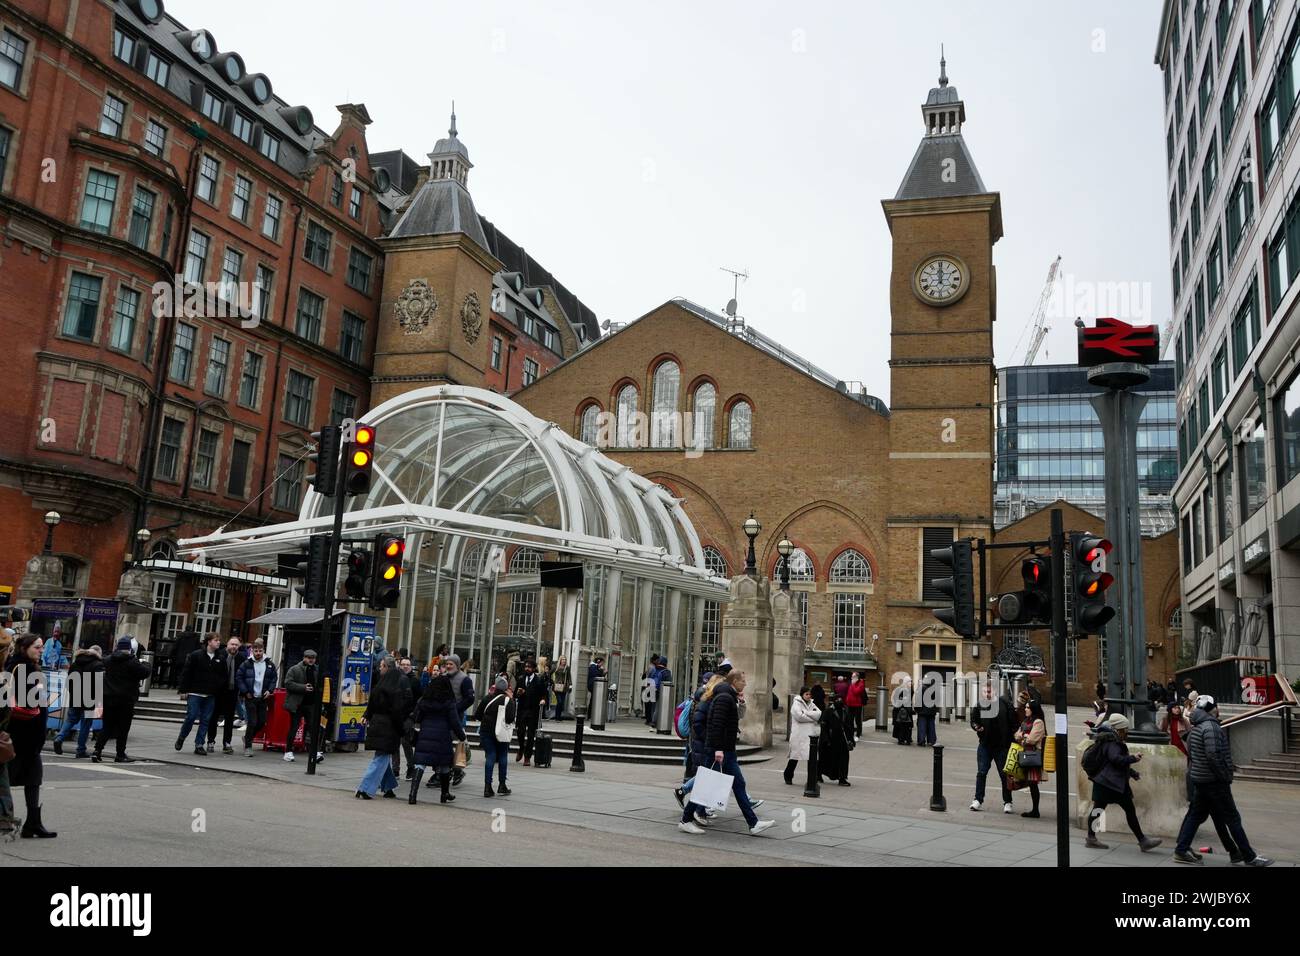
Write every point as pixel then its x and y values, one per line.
pixel 1039 323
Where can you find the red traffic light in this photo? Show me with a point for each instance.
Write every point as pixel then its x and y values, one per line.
pixel 394 548
pixel 364 435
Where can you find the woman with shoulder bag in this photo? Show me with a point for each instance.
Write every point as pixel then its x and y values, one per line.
pixel 804 721
pixel 496 717
pixel 27 729
pixel 385 712
pixel 436 721
pixel 560 681
pixel 1030 736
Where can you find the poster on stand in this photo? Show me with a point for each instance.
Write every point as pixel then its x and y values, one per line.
pixel 354 691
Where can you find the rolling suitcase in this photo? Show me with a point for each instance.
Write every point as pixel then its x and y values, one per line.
pixel 542 749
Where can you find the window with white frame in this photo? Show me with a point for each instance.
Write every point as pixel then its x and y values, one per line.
pixel 589 430
pixel 711 634
pixel 112 116
pixel 663 418
pixel 626 410
pixel 205 458
pixel 703 409
pixel 209 169
pixel 850 569
pixel 208 602
pixel 740 426
pixel 523 604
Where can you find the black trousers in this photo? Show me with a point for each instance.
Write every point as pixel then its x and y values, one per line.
pixel 527 731
pixel 224 709
pixel 255 711
pixel 297 717
pixel 855 720
pixel 117 726
pixel 1103 796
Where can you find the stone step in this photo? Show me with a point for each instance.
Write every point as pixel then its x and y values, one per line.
pixel 1276 762
pixel 1268 776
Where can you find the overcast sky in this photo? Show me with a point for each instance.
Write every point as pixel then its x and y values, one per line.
pixel 636 148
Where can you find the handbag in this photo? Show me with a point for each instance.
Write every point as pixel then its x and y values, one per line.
pixel 460 754
pixel 712 788
pixel 505 730
pixel 1011 767
pixel 1031 760
pixel 7 751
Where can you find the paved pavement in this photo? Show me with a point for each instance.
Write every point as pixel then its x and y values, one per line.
pixel 883 819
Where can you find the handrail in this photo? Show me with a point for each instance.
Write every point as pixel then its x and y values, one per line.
pixel 1218 660
pixel 1288 701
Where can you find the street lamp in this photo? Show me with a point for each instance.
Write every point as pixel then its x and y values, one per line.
pixel 51 519
pixel 752 528
pixel 784 547
pixel 142 538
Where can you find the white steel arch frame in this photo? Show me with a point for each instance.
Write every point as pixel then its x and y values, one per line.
pixel 471 464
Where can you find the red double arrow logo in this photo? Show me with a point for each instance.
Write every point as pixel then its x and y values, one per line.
pixel 1119 338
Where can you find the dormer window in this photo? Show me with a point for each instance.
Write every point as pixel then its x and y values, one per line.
pixel 242 127
pixel 213 106
pixel 270 147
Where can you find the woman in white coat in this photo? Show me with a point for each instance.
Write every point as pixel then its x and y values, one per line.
pixel 805 720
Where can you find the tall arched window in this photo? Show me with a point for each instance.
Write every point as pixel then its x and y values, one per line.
pixel 590 418
pixel 850 571
pixel 703 407
pixel 664 432
pixel 711 635
pixel 626 409
pixel 523 604
pixel 740 426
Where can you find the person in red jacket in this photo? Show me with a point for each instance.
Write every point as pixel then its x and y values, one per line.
pixel 855 698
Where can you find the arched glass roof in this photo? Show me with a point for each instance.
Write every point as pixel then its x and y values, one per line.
pixel 475 466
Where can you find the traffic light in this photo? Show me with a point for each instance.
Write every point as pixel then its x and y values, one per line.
pixel 359 461
pixel 1033 605
pixel 386 570
pixel 318 588
pixel 328 442
pixel 357 583
pixel 1091 579
pixel 960 587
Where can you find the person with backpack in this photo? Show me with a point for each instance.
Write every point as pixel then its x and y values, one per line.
pixel 805 723
pixel 903 714
pixel 491 718
pixel 1109 766
pixel 1210 769
pixel 696 717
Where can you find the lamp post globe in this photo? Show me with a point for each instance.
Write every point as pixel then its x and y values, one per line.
pixel 751 527
pixel 785 547
pixel 52 518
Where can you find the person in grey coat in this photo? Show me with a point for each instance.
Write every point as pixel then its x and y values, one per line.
pixel 1209 759
pixel 300 691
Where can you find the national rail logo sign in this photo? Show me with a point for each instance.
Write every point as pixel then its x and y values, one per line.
pixel 1113 340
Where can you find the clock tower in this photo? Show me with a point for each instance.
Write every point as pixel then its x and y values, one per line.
pixel 943 300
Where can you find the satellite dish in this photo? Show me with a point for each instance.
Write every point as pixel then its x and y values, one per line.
pixel 731 308
pixel 605 325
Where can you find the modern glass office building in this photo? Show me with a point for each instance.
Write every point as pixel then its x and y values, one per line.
pixel 1050 444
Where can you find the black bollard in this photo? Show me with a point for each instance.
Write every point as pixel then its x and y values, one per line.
pixel 814 787
pixel 577 766
pixel 937 801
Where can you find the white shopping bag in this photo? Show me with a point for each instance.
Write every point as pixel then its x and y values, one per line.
pixel 712 789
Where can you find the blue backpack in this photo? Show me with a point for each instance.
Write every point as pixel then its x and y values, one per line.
pixel 682 718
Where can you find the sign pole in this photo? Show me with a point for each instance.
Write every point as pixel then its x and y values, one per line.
pixel 1058 690
pixel 327 623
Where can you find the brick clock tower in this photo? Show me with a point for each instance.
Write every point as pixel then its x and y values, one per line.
pixel 943 300
pixel 438 272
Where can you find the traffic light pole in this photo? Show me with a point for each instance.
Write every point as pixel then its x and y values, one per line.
pixel 327 622
pixel 1059 705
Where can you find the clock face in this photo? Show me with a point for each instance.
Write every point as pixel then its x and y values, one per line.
pixel 941 280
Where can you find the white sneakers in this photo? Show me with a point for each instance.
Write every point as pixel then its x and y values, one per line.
pixel 975 805
pixel 761 826
pixel 1008 808
pixel 701 819
pixel 690 828
pixel 288 756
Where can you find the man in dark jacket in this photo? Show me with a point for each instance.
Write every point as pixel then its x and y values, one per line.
pixel 227 697
pixel 255 684
pixel 86 663
pixel 300 684
pixel 531 693
pixel 1209 759
pixel 123 673
pixel 994 723
pixel 595 669
pixel 202 677
pixel 721 735
pixel 413 685
pixel 186 644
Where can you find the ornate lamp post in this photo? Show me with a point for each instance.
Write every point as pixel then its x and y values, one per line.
pixel 751 528
pixel 141 539
pixel 784 547
pixel 52 518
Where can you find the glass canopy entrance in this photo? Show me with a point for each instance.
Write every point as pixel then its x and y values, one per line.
pixel 483 491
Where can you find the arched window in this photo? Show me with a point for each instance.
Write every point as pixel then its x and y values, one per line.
pixel 525 561
pixel 664 431
pixel 850 570
pixel 711 635
pixel 740 426
pixel 1176 619
pixel 626 410
pixel 590 417
pixel 703 407
pixel 801 572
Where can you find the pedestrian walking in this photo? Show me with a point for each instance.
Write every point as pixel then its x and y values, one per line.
pixel 86 663
pixel 1030 736
pixel 417 689
pixel 123 672
pixel 994 723
pixel 835 743
pixel 927 712
pixel 1210 769
pixel 1111 771
pixel 902 716
pixel 841 687
pixel 25 722
pixel 595 669
pixel 561 681
pixel 496 751
pixel 9 822
pixel 390 702
pixel 805 723
pixel 300 691
pixel 695 756
pixel 531 695
pixel 855 698
pixel 227 697
pixel 255 683
pixel 202 678
pixel 721 734
pixel 437 721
